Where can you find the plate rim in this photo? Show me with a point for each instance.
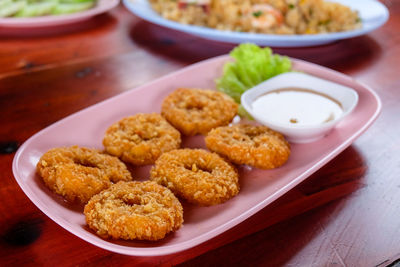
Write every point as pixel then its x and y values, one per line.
pixel 175 248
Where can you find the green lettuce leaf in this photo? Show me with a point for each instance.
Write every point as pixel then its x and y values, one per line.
pixel 252 66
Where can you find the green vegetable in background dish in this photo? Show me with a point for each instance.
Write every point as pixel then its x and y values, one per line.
pixel 9 8
pixel 67 8
pixel 252 66
pixel 34 8
pixel 3 3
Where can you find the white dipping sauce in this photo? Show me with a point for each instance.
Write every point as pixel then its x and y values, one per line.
pixel 297 106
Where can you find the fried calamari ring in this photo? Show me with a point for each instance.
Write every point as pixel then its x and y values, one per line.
pixel 256 146
pixel 199 176
pixel 141 139
pixel 197 111
pixel 79 173
pixel 134 210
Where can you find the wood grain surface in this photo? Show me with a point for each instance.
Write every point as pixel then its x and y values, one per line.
pixel 346 214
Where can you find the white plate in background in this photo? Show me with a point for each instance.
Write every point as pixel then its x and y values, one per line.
pixel 373 15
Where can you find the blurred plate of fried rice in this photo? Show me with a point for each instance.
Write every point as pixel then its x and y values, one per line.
pixel 372 15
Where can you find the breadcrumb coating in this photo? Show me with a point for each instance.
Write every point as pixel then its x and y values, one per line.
pixel 197 111
pixel 199 176
pixel 256 146
pixel 78 173
pixel 141 139
pixel 134 210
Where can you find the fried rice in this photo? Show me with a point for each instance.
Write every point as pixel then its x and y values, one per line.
pixel 261 16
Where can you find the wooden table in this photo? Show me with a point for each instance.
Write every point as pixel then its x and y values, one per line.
pixel 346 214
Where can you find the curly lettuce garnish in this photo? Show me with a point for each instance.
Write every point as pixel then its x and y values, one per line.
pixel 252 66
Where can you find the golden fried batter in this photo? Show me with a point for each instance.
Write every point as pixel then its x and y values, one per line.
pixel 197 111
pixel 199 176
pixel 141 139
pixel 79 173
pixel 256 146
pixel 134 210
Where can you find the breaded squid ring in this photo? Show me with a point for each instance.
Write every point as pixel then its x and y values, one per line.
pixel 134 210
pixel 199 176
pixel 197 111
pixel 78 173
pixel 141 139
pixel 256 146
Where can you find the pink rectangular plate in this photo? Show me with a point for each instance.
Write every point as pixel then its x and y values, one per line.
pixel 258 187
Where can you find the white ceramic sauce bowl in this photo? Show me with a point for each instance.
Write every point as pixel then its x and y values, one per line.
pixel 347 97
